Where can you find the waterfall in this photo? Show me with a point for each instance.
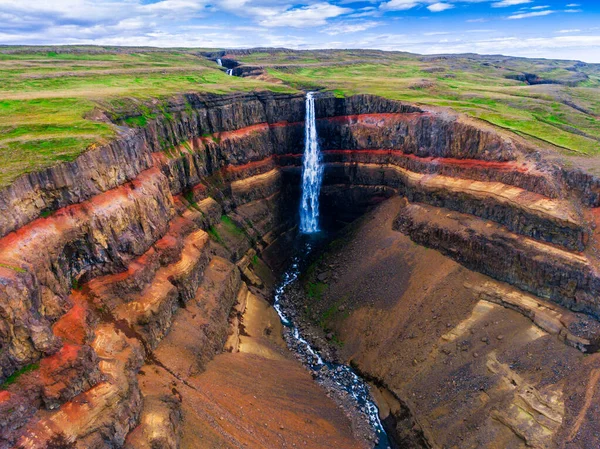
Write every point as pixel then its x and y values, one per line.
pixel 230 72
pixel 219 62
pixel 312 172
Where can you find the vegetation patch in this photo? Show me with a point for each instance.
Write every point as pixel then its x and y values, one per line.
pixel 231 227
pixel 315 290
pixel 13 268
pixel 46 108
pixel 214 234
pixel 15 376
pixel 49 96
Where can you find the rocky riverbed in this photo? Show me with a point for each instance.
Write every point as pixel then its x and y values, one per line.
pixel 311 347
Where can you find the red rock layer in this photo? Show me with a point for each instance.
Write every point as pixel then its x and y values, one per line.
pixel 97 287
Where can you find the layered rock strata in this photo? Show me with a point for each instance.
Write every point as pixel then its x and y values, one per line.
pixel 104 260
pixel 470 361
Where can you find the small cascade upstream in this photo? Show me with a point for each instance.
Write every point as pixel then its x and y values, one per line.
pixel 312 172
pixel 220 64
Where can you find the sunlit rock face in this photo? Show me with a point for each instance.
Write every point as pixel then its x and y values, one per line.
pixel 99 257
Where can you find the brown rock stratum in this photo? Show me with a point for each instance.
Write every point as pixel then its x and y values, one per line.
pixel 132 286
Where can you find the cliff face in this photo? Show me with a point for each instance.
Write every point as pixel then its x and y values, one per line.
pixel 477 362
pixel 100 256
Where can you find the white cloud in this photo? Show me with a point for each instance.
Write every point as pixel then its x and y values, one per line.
pixel 564 47
pixel 349 27
pixel 439 7
pixel 573 5
pixel 369 11
pixel 277 23
pixel 527 15
pixel 540 7
pixel 306 16
pixel 398 5
pixel 505 3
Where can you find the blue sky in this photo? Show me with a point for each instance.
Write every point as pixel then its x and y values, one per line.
pixel 568 29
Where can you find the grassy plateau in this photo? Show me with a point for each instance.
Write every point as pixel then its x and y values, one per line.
pixel 50 96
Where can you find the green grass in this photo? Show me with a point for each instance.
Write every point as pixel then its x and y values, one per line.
pixel 231 227
pixel 327 315
pixel 49 95
pixel 214 234
pixel 539 113
pixel 14 268
pixel 15 376
pixel 315 290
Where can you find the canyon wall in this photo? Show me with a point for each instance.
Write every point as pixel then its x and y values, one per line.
pixel 100 256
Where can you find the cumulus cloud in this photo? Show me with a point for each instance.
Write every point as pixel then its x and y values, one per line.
pixel 439 7
pixel 398 5
pixel 505 3
pixel 286 23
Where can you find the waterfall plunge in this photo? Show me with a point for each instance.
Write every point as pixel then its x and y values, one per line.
pixel 312 172
pixel 219 62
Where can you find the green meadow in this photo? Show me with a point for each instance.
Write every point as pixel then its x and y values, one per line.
pixel 48 97
pixel 51 98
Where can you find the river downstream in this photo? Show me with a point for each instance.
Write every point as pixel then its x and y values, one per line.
pixel 339 379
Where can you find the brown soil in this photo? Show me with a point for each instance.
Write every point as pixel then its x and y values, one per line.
pixel 261 397
pixel 474 374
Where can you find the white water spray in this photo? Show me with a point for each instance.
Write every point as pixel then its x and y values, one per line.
pixel 230 72
pixel 312 172
pixel 219 62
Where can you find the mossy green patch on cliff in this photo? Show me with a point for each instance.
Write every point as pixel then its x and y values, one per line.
pixel 15 376
pixel 315 290
pixel 13 268
pixel 231 227
pixel 214 234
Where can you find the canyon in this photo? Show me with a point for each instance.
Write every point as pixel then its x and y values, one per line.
pixel 135 280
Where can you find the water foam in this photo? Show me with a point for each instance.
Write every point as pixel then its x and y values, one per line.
pixel 312 172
